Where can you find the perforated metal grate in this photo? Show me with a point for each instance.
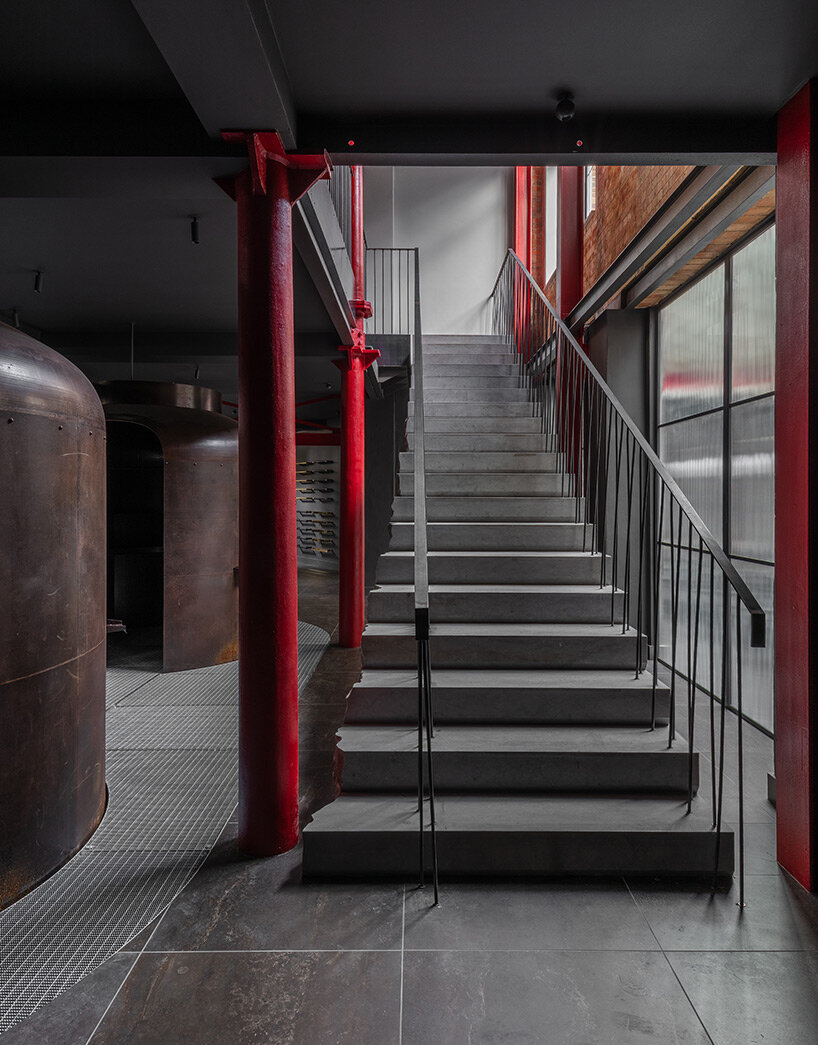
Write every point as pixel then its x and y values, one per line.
pixel 172 780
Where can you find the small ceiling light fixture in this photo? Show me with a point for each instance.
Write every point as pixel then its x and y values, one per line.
pixel 15 318
pixel 565 107
pixel 194 229
pixel 351 142
pixel 38 282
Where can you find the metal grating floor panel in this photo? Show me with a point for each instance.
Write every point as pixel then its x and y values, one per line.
pixel 160 727
pixel 172 778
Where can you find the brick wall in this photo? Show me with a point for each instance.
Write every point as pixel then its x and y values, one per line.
pixel 626 198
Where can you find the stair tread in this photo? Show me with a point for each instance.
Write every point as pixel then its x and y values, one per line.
pixel 501 740
pixel 516 630
pixel 602 814
pixel 517 678
pixel 500 589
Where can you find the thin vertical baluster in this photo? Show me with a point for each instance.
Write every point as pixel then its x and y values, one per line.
pixel 689 607
pixel 604 535
pixel 712 687
pixel 626 598
pixel 691 707
pixel 740 725
pixel 656 593
pixel 615 545
pixel 725 637
pixel 675 622
pixel 421 702
pixel 643 512
pixel 430 767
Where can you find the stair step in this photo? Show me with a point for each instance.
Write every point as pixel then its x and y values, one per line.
pixel 488 509
pixel 360 836
pixel 486 484
pixel 481 461
pixel 468 407
pixel 518 759
pixel 510 696
pixel 469 367
pixel 493 567
pixel 531 603
pixel 498 645
pixel 479 422
pixel 460 396
pixel 494 536
pixel 466 379
pixel 479 442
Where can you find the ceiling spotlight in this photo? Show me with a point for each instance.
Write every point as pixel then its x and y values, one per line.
pixel 565 108
pixel 194 229
pixel 38 282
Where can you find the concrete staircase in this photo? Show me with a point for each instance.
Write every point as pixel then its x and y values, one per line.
pixel 544 758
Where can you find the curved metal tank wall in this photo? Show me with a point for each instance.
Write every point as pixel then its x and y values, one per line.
pixel 52 625
pixel 200 542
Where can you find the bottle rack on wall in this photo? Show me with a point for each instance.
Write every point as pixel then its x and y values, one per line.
pixel 316 484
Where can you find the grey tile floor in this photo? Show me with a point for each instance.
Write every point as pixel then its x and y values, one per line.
pixel 247 953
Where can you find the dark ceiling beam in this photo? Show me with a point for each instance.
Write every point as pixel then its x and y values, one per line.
pixel 117 177
pixel 695 192
pixel 498 138
pixel 225 57
pixel 746 194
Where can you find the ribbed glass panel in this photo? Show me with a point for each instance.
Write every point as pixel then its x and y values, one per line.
pixel 694 455
pixel 757 665
pixel 752 475
pixel 753 368
pixel 691 350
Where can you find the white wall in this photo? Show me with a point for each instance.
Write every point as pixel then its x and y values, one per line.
pixel 462 220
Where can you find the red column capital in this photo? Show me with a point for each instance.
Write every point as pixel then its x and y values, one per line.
pixel 265 147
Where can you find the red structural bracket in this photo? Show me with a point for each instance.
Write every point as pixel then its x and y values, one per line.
pixel 362 309
pixel 264 147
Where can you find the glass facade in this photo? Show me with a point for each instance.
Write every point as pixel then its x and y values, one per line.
pixel 716 411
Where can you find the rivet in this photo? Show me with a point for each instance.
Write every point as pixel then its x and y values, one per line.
pixel 11 420
pixel 59 428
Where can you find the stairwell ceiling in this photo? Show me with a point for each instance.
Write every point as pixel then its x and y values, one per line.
pixel 111 111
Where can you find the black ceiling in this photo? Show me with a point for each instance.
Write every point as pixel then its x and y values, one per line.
pixel 111 110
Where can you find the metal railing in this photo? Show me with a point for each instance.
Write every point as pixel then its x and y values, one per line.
pixel 421 579
pixel 340 191
pixel 647 534
pixel 391 286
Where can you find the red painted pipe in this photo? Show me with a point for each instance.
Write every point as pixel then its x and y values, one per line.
pixel 268 589
pixel 351 582
pixel 268 586
pixel 351 585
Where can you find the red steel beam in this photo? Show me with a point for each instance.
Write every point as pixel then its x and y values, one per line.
pixel 522 214
pixel 268 588
pixel 796 486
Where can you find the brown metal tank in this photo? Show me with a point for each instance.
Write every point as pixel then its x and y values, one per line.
pixel 52 627
pixel 199 538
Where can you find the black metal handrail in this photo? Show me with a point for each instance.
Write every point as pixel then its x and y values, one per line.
pixel 392 283
pixel 634 516
pixel 421 578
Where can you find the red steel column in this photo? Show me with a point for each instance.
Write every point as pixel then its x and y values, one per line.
pixel 351 584
pixel 268 577
pixel 522 214
pixel 796 486
pixel 570 226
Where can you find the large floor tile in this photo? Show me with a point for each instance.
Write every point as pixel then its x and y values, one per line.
pixel 559 997
pixel 236 903
pixel 779 915
pixel 567 916
pixel 71 1018
pixel 216 999
pixel 762 998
